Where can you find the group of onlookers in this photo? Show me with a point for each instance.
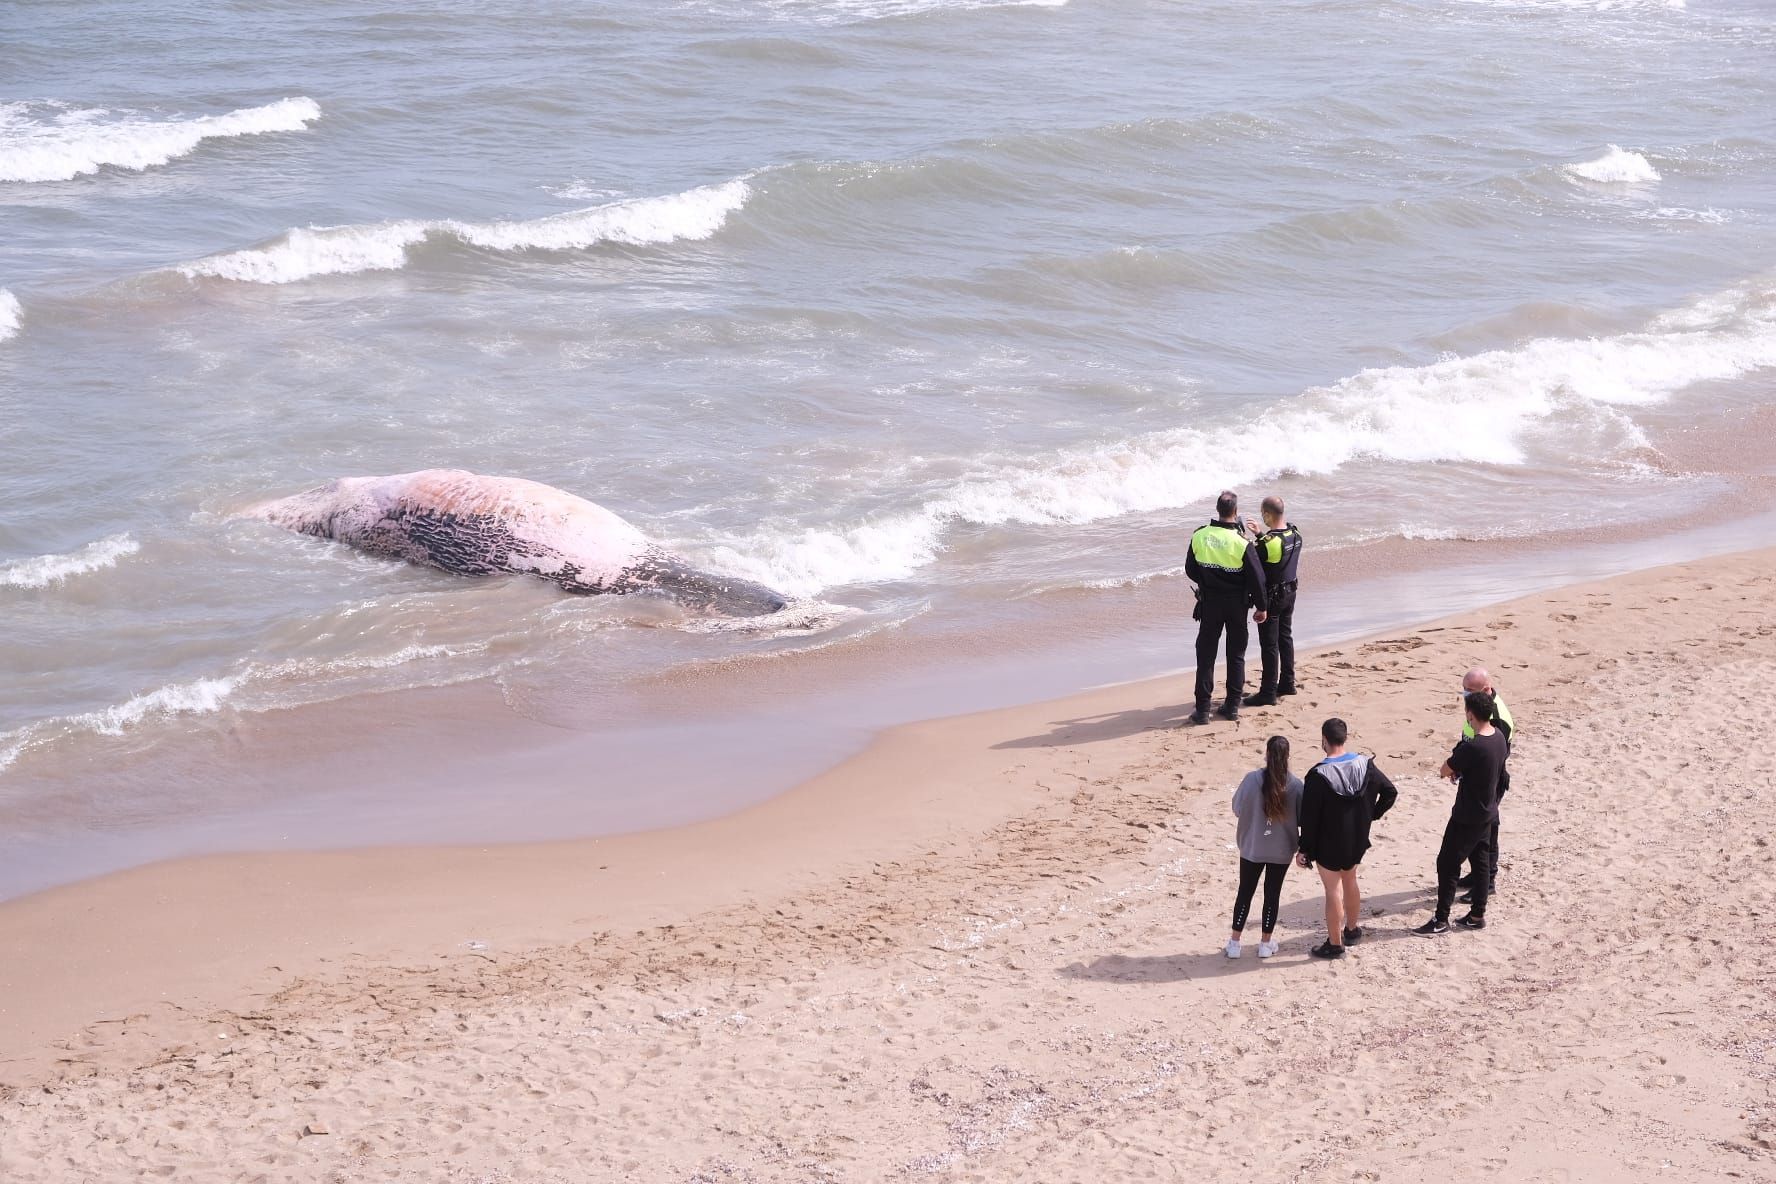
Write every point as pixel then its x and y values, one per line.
pixel 1324 819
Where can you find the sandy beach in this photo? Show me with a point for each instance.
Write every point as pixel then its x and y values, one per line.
pixel 988 948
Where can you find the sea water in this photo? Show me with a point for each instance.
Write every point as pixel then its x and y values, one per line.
pixel 930 313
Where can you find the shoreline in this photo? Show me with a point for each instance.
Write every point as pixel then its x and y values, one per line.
pixel 989 910
pixel 986 948
pixel 311 907
pixel 727 738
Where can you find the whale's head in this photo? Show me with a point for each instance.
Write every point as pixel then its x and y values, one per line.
pixel 700 590
pixel 329 511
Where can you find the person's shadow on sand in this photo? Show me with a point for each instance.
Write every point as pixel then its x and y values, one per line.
pixel 1291 951
pixel 1089 729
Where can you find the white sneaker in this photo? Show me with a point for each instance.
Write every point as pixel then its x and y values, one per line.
pixel 1267 949
pixel 1233 948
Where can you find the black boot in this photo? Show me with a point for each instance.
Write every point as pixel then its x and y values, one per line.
pixel 1261 699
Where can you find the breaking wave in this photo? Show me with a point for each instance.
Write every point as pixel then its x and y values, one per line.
pixel 66 142
pixel 315 680
pixel 383 246
pixel 1474 409
pixel 11 315
pixel 44 570
pixel 1616 167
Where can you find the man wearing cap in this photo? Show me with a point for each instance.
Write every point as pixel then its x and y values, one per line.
pixel 1229 582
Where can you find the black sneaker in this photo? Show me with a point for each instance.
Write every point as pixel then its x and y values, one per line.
pixel 1327 950
pixel 1432 928
pixel 1471 921
pixel 1353 936
pixel 1199 718
pixel 1229 711
pixel 1465 898
pixel 1286 691
pixel 1261 700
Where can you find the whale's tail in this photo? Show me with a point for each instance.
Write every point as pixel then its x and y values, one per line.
pixel 696 589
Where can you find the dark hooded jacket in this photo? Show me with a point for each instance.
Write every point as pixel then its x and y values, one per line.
pixel 1340 797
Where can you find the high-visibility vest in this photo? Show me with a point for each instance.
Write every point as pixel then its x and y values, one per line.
pixel 1278 549
pixel 1500 711
pixel 1220 547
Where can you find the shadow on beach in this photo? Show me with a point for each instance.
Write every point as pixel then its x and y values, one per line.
pixel 1304 917
pixel 1090 729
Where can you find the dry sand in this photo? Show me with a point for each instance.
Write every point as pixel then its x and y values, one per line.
pixel 989 949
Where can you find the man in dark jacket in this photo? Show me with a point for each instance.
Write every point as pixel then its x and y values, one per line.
pixel 1229 582
pixel 1340 797
pixel 1476 765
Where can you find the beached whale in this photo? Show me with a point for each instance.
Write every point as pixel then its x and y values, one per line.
pixel 475 526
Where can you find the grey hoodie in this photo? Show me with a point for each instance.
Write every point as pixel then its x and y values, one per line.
pixel 1345 774
pixel 1260 839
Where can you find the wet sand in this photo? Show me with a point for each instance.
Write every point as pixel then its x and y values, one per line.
pixel 987 948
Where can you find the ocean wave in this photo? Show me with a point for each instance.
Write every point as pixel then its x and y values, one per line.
pixel 1473 409
pixel 844 11
pixel 1711 216
pixel 1616 167
pixel 343 250
pixel 317 680
pixel 1584 5
pixel 77 141
pixel 11 315
pixel 44 570
pixel 203 696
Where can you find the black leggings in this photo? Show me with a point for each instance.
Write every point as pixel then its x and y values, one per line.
pixel 1273 893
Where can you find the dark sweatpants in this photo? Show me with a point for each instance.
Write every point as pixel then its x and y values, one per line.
pixel 1218 613
pixel 1463 841
pixel 1492 848
pixel 1276 642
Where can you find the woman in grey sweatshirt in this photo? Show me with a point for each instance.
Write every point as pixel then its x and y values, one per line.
pixel 1266 803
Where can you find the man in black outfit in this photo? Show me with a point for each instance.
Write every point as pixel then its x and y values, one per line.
pixel 1229 581
pixel 1476 765
pixel 1279 551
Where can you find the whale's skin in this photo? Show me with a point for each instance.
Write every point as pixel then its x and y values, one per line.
pixel 475 525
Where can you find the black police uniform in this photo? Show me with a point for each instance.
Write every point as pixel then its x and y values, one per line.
pixel 1229 584
pixel 1280 553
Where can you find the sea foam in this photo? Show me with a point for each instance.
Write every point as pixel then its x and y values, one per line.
pixel 11 315
pixel 76 141
pixel 1475 409
pixel 342 250
pixel 1616 167
pixel 44 570
pixel 199 697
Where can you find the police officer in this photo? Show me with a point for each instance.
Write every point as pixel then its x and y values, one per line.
pixel 1279 550
pixel 1224 565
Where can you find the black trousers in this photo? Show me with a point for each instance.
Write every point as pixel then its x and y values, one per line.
pixel 1276 642
pixel 1492 848
pixel 1218 614
pixel 1464 841
pixel 1273 893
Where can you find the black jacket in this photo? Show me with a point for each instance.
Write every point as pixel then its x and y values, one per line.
pixel 1340 797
